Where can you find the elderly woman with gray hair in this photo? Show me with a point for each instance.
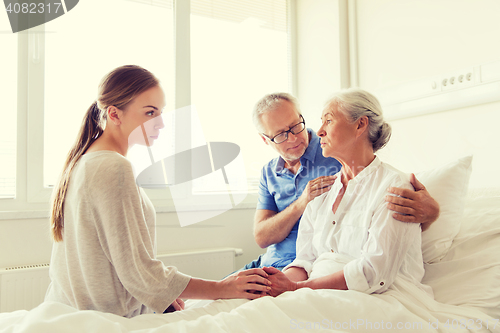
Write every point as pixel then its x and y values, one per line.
pixel 348 238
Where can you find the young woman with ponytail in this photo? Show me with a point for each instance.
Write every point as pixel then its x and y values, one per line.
pixel 102 224
pixel 91 129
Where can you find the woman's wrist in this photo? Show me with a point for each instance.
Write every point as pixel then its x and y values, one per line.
pixel 202 289
pixel 218 289
pixel 301 284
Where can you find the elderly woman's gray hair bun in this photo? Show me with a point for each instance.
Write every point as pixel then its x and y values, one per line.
pixel 356 103
pixel 382 137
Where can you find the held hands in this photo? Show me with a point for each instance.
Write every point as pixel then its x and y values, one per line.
pixel 251 284
pixel 256 282
pixel 279 282
pixel 418 206
pixel 316 187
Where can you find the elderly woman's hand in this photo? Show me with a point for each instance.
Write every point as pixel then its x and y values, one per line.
pixel 279 282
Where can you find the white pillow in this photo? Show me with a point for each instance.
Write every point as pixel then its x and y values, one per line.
pixel 448 186
pixel 472 265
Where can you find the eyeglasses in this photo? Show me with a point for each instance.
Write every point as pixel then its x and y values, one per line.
pixel 283 136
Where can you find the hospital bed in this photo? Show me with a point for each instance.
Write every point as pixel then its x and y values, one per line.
pixel 463 268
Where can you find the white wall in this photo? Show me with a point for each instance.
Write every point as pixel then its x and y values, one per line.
pixel 27 242
pixel 24 242
pixel 406 40
pixel 318 56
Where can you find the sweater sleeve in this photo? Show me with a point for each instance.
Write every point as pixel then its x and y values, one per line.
pixel 124 236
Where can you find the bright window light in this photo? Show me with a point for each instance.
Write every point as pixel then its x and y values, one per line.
pixel 8 125
pixel 239 53
pixel 86 44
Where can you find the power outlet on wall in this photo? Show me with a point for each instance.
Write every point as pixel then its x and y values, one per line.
pixel 456 80
pixel 468 86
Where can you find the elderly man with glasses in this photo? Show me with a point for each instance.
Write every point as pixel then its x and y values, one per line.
pixel 301 173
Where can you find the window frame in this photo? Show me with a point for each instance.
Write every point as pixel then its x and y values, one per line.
pixel 32 198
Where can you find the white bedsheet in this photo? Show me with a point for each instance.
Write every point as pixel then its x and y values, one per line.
pixel 467 280
pixel 306 309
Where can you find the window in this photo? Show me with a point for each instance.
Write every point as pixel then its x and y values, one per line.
pixel 229 55
pixel 239 53
pixel 83 46
pixel 8 125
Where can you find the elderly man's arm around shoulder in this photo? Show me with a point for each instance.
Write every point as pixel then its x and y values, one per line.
pixel 418 206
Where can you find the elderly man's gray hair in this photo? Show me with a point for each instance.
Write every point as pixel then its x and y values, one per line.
pixel 355 103
pixel 269 103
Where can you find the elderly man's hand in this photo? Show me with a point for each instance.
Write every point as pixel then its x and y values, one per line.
pixel 280 282
pixel 316 187
pixel 418 206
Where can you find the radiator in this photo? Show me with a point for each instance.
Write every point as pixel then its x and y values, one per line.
pixel 24 287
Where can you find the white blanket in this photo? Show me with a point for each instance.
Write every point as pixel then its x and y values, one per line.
pixel 467 280
pixel 305 309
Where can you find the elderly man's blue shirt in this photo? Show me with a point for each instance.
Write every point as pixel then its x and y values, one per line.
pixel 279 187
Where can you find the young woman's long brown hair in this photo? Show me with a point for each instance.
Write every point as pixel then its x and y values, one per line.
pixel 118 89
